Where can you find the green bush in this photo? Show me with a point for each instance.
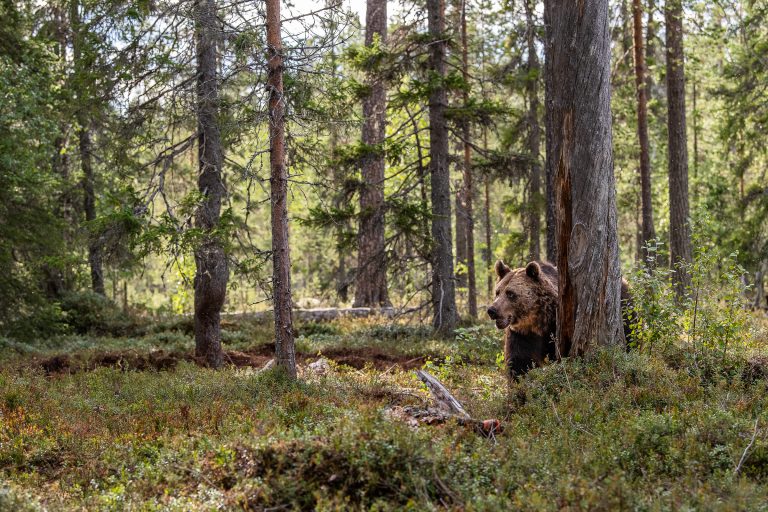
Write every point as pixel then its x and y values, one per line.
pixel 88 312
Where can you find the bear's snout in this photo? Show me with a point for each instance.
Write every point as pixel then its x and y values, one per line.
pixel 493 313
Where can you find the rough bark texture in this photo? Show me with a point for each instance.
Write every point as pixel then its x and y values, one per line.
pixel 679 229
pixel 534 135
pixel 85 145
pixel 285 351
pixel 443 283
pixel 648 233
pixel 211 260
pixel 371 278
pixel 578 55
pixel 468 190
pixel 549 131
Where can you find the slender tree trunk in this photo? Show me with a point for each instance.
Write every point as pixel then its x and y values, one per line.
pixel 210 258
pixel 371 282
pixel 695 145
pixel 89 206
pixel 549 142
pixel 488 253
pixel 759 289
pixel 461 236
pixel 342 285
pixel 85 145
pixel 648 233
pixel 578 39
pixel 679 228
pixel 488 249
pixel 285 351
pixel 534 136
pixel 468 189
pixel 443 281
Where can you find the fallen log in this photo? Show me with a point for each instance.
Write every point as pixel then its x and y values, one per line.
pixel 449 407
pixel 323 314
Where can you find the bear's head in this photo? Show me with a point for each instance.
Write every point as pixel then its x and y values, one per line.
pixel 525 297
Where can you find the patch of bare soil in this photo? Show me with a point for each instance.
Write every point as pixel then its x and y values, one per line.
pixel 256 357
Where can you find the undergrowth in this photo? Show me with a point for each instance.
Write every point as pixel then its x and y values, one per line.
pixel 679 422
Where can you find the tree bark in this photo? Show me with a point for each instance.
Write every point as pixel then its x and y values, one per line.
pixel 468 189
pixel 578 56
pixel 679 228
pixel 648 232
pixel 285 351
pixel 210 258
pixel 85 145
pixel 534 137
pixel 461 236
pixel 548 141
pixel 443 283
pixel 650 47
pixel 89 206
pixel 371 278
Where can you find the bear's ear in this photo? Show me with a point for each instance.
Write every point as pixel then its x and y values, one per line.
pixel 532 270
pixel 501 269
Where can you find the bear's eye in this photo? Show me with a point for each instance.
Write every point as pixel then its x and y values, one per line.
pixel 511 295
pixel 498 292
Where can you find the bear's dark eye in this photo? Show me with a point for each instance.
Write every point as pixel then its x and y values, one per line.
pixel 498 292
pixel 511 295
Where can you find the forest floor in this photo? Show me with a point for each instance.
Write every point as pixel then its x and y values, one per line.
pixel 134 423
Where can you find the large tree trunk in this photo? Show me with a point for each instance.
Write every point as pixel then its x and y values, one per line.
pixel 85 145
pixel 548 141
pixel 648 233
pixel 371 279
pixel 578 56
pixel 443 283
pixel 469 187
pixel 534 136
pixel 211 260
pixel 285 351
pixel 679 229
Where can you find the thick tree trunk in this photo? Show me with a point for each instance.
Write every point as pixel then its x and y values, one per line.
pixel 549 133
pixel 578 56
pixel 648 233
pixel 534 136
pixel 443 283
pixel 469 186
pixel 679 228
pixel 211 260
pixel 371 279
pixel 285 351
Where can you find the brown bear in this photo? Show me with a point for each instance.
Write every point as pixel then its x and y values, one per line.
pixel 526 308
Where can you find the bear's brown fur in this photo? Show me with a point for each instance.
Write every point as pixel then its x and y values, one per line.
pixel 526 308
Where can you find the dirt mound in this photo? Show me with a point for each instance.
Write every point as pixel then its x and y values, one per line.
pixel 256 357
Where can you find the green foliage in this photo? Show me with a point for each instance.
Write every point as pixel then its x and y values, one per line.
pixel 88 312
pixel 609 431
pixel 711 318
